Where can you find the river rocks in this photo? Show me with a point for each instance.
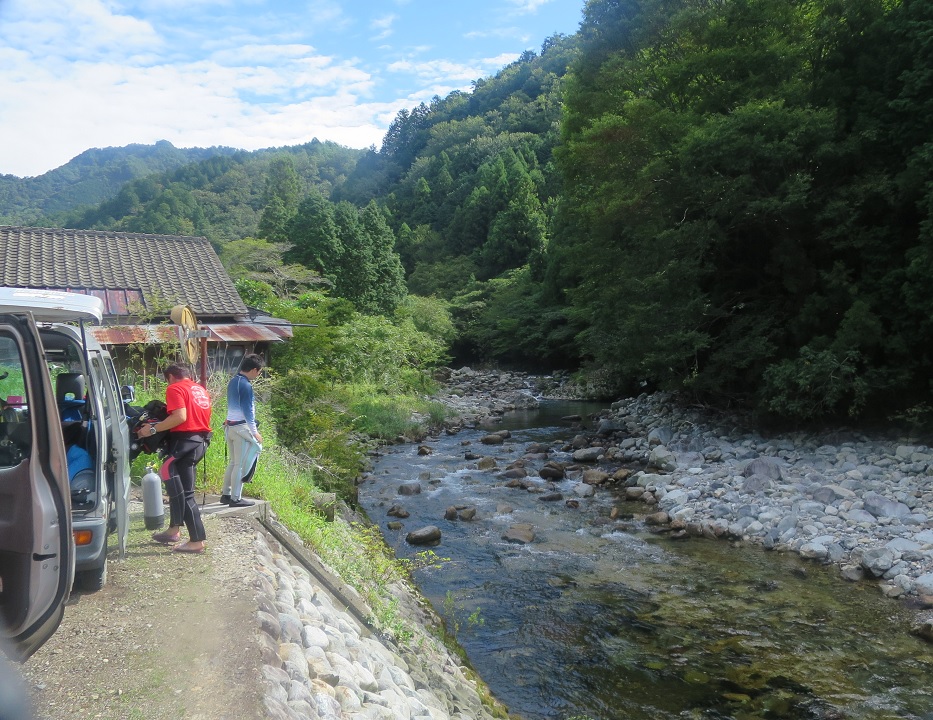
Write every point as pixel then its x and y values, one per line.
pixel 756 484
pixel 410 488
pixel 662 459
pixel 519 533
pixel 880 506
pixel 424 450
pixel 923 630
pixel 584 490
pixel 318 661
pixel 430 535
pixel 595 477
pixel 397 511
pixel 486 463
pixel 863 504
pixel 461 512
pixel 924 584
pixel 552 471
pixel 765 467
pixel 478 396
pixel 514 472
pixel 658 518
pixel 492 439
pixel 590 454
pixel 551 497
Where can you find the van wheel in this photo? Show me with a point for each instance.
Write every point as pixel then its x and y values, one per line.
pixel 92 580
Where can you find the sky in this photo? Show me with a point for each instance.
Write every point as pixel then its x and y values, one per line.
pixel 249 74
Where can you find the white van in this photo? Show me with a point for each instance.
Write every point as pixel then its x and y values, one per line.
pixel 55 380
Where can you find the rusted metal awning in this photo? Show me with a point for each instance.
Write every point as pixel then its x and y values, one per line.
pixel 240 333
pixel 247 332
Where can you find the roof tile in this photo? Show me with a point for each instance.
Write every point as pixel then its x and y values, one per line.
pixel 121 268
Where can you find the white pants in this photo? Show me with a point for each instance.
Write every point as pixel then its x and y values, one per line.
pixel 242 452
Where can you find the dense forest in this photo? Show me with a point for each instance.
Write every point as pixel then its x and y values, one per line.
pixel 725 198
pixel 87 180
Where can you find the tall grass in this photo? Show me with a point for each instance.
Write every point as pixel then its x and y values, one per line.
pixel 292 483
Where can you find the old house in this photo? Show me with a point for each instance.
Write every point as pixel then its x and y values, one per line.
pixel 140 277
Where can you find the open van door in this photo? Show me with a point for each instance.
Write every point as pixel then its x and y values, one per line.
pixel 36 544
pixel 36 541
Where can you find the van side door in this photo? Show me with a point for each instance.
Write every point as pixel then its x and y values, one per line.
pixel 118 434
pixel 36 544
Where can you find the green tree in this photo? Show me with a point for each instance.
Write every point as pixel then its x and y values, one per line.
pixel 280 199
pixel 387 285
pixel 314 236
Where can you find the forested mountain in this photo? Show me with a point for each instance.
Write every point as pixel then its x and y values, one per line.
pixel 470 185
pixel 730 199
pixel 88 179
pixel 746 208
pixel 222 197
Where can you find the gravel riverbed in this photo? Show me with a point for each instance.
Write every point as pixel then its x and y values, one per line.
pixel 859 502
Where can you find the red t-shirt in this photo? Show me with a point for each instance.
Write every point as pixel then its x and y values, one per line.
pixel 189 395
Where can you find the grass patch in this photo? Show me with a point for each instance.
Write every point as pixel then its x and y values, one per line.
pixel 388 417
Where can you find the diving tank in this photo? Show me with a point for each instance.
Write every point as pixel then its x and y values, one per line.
pixel 153 511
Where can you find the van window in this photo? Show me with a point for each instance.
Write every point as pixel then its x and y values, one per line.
pixel 15 428
pixel 100 379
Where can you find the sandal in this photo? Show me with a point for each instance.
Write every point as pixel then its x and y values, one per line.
pixel 164 537
pixel 186 548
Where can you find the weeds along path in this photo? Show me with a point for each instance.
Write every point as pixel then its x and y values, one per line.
pixel 169 636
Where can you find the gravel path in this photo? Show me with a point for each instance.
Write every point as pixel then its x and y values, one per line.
pixel 244 631
pixel 169 636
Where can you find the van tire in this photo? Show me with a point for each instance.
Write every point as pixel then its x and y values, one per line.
pixel 92 580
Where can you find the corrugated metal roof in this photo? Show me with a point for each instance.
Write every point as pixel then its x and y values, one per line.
pixel 156 334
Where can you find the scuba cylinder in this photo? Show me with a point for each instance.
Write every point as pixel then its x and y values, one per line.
pixel 153 511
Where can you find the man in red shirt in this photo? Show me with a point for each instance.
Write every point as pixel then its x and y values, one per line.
pixel 189 426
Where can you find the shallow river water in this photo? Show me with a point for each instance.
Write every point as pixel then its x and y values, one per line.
pixel 602 619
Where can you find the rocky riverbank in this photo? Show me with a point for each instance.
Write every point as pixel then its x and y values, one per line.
pixel 860 503
pixel 322 660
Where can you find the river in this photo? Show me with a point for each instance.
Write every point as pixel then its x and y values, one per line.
pixel 600 618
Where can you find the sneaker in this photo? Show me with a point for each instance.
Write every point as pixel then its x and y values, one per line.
pixel 224 499
pixel 242 502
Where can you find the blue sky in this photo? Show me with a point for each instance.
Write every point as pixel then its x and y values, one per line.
pixel 77 74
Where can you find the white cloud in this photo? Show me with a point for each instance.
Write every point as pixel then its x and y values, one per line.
pixel 528 6
pixel 383 26
pixel 82 29
pixel 506 33
pixel 447 70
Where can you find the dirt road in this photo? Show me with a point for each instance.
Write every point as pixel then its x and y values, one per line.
pixel 170 636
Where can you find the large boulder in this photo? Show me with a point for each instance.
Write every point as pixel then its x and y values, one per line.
pixel 520 533
pixel 590 454
pixel 880 506
pixel 765 466
pixel 877 560
pixel 662 459
pixel 552 471
pixel 430 535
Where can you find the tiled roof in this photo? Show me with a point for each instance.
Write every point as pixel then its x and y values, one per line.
pixel 120 268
